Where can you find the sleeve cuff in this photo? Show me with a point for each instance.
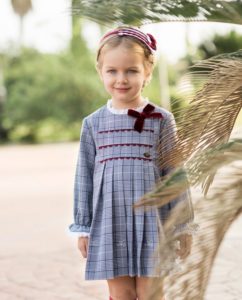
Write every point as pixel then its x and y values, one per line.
pixel 77 229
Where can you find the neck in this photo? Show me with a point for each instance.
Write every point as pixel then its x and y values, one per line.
pixel 125 105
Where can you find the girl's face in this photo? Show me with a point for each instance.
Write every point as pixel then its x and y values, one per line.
pixel 123 74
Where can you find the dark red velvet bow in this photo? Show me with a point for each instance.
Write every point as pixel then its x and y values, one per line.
pixel 146 113
pixel 153 41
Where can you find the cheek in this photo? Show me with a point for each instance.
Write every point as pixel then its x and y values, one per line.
pixel 106 79
pixel 108 83
pixel 140 80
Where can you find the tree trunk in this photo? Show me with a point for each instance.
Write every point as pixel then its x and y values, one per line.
pixel 164 84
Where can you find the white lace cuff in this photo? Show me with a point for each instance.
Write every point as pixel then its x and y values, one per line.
pixel 79 234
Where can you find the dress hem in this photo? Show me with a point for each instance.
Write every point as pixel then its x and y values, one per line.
pixel 125 274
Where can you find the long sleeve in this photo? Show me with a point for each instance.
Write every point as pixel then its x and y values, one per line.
pixel 183 224
pixel 83 185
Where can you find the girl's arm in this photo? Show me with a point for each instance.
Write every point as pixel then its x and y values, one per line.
pixel 83 185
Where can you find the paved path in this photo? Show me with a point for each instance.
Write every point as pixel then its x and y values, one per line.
pixel 39 260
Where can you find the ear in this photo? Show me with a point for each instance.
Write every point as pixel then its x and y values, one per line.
pixel 99 72
pixel 147 80
pixel 148 76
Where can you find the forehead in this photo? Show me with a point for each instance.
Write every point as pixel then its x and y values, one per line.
pixel 122 56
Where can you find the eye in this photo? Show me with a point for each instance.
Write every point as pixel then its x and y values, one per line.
pixel 133 71
pixel 111 71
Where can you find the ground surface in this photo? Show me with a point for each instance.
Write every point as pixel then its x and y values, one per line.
pixel 39 260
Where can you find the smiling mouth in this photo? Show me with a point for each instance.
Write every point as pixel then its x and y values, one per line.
pixel 122 89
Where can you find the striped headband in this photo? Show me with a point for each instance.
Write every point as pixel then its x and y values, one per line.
pixel 146 39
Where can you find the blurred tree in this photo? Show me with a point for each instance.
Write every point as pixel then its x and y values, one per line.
pixel 44 87
pixel 165 100
pixel 3 92
pixel 78 44
pixel 65 88
pixel 219 44
pixel 21 8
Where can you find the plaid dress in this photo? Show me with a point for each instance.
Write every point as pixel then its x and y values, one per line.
pixel 116 166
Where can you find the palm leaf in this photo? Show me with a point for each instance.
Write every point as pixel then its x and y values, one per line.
pixel 202 149
pixel 209 118
pixel 215 214
pixel 197 170
pixel 142 12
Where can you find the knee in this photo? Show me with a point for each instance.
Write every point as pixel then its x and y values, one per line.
pixel 125 294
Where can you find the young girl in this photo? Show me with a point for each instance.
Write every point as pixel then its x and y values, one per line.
pixel 117 165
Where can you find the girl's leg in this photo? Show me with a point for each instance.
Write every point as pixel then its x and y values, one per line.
pixel 142 288
pixel 122 288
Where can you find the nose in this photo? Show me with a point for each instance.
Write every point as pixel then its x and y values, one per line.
pixel 122 78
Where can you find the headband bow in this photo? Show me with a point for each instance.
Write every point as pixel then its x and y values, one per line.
pixel 147 39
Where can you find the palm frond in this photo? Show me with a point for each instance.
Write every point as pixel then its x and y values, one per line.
pixel 197 170
pixel 150 11
pixel 215 214
pixel 201 149
pixel 209 118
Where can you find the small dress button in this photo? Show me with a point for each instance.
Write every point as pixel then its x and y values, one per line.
pixel 147 154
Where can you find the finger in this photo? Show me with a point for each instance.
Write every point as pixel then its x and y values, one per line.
pixel 86 247
pixel 186 252
pixel 82 248
pixel 84 252
pixel 183 252
pixel 183 242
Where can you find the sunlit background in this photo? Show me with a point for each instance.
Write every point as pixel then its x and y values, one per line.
pixel 48 84
pixel 47 27
pixel 47 42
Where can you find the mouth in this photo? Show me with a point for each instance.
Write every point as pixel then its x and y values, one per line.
pixel 122 89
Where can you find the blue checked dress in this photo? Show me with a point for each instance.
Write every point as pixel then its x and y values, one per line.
pixel 116 166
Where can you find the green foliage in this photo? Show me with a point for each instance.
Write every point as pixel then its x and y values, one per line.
pixel 48 90
pixel 47 130
pixel 152 91
pixel 220 44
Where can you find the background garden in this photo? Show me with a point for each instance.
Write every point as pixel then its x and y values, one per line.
pixel 44 96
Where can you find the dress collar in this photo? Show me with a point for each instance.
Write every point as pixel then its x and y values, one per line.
pixel 125 110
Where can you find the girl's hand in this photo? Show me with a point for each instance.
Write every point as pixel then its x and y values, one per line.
pixel 83 245
pixel 185 245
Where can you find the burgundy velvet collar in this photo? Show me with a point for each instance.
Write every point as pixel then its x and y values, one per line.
pixel 146 113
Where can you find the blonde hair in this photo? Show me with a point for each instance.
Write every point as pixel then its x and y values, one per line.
pixel 130 43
